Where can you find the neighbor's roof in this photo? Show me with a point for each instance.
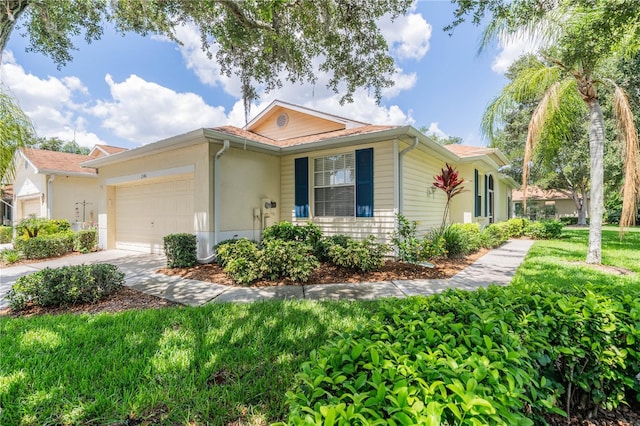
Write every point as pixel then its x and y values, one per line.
pixel 537 193
pixel 301 140
pixel 54 162
pixel 108 149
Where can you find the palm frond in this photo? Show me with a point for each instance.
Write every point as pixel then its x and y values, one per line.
pixel 628 136
pixel 16 131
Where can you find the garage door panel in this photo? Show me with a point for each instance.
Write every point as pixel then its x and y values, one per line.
pixel 145 213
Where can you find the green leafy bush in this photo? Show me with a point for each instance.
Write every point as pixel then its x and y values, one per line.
pixel 287 259
pixel 85 241
pixel 500 356
pixel 366 255
pixel 433 245
pixel 10 255
pixel 240 259
pixel 514 228
pixel 32 226
pixel 65 286
pixel 6 234
pixel 44 246
pixel 408 247
pixel 493 235
pixel 321 249
pixel 544 229
pixel 286 231
pixel 455 241
pixel 180 250
pixel 472 235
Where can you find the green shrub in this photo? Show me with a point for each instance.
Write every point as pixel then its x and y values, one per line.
pixel 365 255
pixel 10 255
pixel 571 220
pixel 544 229
pixel 180 250
pixel 58 225
pixel 408 246
pixel 287 259
pixel 500 356
pixel 240 259
pixel 472 234
pixel 493 235
pixel 433 245
pixel 85 241
pixel 6 234
pixel 44 246
pixel 286 231
pixel 515 227
pixel 321 249
pixel 32 226
pixel 65 286
pixel 455 241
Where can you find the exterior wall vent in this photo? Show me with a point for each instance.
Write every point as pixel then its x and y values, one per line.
pixel 282 120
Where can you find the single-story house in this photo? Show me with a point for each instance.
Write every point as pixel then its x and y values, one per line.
pixel 52 184
pixel 289 163
pixel 555 203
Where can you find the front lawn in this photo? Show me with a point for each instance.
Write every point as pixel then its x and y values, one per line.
pixel 227 364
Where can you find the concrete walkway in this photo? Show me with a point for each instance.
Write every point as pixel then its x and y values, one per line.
pixel 496 267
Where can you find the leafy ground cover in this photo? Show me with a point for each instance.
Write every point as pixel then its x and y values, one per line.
pixel 233 364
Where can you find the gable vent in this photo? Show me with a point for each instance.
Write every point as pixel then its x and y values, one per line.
pixel 282 120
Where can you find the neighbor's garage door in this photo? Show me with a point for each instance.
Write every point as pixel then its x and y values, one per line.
pixel 146 212
pixel 31 207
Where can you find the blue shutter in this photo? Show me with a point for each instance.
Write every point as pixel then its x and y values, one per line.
pixel 486 196
pixel 476 193
pixel 364 182
pixel 301 184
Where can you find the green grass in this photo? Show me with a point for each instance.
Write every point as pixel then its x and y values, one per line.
pixel 216 364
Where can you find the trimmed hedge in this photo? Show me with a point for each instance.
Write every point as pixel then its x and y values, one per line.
pixel 6 233
pixel 500 356
pixel 181 250
pixel 85 241
pixel 544 229
pixel 67 285
pixel 365 255
pixel 44 246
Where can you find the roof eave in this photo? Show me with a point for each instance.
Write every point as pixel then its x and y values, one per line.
pixel 67 173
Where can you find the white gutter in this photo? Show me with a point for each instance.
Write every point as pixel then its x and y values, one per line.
pixel 50 196
pixel 216 202
pixel 400 156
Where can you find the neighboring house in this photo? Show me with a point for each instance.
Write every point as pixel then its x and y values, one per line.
pixel 545 203
pixel 52 184
pixel 6 205
pixel 289 163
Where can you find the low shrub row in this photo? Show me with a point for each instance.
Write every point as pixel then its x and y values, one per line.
pixel 67 285
pixel 6 233
pixel 500 356
pixel 54 245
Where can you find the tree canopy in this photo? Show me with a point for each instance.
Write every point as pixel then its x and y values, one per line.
pixel 262 42
pixel 16 131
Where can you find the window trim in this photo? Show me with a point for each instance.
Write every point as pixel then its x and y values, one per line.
pixel 313 185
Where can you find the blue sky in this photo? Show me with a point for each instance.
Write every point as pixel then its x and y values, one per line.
pixel 128 91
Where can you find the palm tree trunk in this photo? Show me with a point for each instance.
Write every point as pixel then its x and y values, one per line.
pixel 596 205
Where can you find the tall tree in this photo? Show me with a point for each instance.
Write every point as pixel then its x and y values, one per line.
pixel 16 132
pixel 584 34
pixel 57 144
pixel 263 42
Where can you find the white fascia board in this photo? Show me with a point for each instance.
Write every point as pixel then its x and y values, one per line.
pixel 64 173
pixel 186 139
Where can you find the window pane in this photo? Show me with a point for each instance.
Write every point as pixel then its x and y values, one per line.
pixel 336 201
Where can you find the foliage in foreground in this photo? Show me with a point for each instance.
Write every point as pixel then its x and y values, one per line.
pixel 67 285
pixel 473 358
pixel 181 250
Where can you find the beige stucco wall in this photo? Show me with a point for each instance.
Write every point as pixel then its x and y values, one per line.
pixel 380 225
pixel 248 178
pixel 299 124
pixel 69 190
pixel 28 186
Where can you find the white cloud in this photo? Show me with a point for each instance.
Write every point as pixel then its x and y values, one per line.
pixel 144 112
pixel 512 48
pixel 435 130
pixel 50 103
pixel 407 36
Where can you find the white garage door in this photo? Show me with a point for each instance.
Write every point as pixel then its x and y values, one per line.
pixel 146 212
pixel 31 207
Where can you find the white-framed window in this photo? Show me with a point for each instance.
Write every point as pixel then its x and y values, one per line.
pixel 334 185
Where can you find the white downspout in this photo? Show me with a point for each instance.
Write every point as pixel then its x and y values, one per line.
pixel 400 174
pixel 216 199
pixel 50 196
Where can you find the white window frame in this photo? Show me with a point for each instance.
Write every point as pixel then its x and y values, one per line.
pixel 349 156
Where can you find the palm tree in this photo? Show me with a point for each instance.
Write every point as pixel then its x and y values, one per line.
pixel 16 132
pixel 583 37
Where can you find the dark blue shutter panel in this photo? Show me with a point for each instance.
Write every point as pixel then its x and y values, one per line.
pixel 476 192
pixel 486 196
pixel 301 184
pixel 364 182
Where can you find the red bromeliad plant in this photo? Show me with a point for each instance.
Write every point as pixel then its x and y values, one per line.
pixel 450 182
